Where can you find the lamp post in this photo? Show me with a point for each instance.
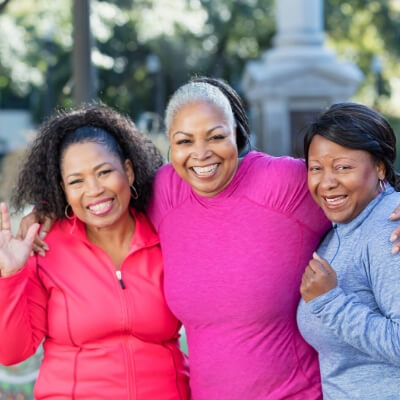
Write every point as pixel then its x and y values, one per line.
pixel 84 74
pixel 154 68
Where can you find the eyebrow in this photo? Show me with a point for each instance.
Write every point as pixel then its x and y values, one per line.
pixel 191 134
pixel 95 169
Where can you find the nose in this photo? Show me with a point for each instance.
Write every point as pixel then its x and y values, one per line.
pixel 94 187
pixel 202 151
pixel 328 180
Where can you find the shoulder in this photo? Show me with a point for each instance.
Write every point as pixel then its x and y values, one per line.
pixel 378 221
pixel 278 170
pixel 378 228
pixel 169 190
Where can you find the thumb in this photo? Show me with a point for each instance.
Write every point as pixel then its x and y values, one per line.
pixel 324 263
pixel 30 235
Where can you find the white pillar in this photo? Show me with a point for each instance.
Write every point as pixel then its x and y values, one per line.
pixel 299 22
pixel 295 79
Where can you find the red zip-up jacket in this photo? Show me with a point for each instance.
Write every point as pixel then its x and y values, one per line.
pixel 104 338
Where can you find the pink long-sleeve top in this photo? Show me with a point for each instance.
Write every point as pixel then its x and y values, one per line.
pixel 233 266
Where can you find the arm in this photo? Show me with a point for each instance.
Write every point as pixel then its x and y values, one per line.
pixel 23 301
pixel 370 331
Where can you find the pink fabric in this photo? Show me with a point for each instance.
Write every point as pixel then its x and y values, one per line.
pixel 233 266
pixel 101 342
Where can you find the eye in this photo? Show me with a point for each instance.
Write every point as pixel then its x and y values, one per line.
pixel 343 167
pixel 313 169
pixel 217 137
pixel 75 182
pixel 183 141
pixel 105 172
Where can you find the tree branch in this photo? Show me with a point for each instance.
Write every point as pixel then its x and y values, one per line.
pixel 3 5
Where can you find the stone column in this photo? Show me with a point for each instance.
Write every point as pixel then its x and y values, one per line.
pixel 84 74
pixel 295 79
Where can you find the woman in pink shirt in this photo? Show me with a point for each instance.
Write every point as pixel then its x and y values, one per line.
pixel 236 233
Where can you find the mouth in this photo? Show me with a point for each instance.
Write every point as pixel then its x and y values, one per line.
pixel 101 207
pixel 333 202
pixel 205 172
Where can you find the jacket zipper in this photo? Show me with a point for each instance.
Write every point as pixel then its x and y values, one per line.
pixel 127 345
pixel 119 277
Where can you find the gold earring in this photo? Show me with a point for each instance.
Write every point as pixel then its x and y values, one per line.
pixel 382 185
pixel 134 192
pixel 66 212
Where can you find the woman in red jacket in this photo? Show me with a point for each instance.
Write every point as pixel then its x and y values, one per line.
pixel 96 298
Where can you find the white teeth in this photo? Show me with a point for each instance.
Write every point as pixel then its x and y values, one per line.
pixel 334 200
pixel 100 206
pixel 208 170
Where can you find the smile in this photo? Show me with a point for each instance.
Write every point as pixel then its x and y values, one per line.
pixel 206 171
pixel 335 202
pixel 101 208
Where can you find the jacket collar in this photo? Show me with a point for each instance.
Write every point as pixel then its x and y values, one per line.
pixel 346 229
pixel 144 236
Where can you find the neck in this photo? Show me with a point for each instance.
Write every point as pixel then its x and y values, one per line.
pixel 116 236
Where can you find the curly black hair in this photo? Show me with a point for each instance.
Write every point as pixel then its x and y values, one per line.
pixel 40 176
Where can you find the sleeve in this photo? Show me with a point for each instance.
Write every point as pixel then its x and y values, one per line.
pixel 23 314
pixel 286 189
pixel 375 332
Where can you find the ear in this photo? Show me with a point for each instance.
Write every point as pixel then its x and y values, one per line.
pixel 128 168
pixel 380 170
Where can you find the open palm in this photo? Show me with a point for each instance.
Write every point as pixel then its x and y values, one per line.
pixel 13 252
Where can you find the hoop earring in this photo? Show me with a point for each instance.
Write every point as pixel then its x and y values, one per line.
pixel 382 185
pixel 134 192
pixel 66 212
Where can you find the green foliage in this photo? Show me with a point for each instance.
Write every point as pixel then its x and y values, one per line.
pixel 188 36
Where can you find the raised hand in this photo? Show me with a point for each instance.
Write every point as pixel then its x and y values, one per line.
pixel 14 252
pixel 318 278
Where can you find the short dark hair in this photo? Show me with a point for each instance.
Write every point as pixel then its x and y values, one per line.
pixel 239 113
pixel 40 176
pixel 357 127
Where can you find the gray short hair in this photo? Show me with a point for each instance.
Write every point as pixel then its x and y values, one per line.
pixel 194 92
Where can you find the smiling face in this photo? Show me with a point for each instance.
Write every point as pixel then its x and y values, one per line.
pixel 203 147
pixel 96 184
pixel 341 180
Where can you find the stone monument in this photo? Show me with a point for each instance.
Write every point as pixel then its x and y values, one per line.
pixel 295 79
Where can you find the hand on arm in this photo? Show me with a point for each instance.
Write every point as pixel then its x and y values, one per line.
pixel 39 245
pixel 395 216
pixel 14 252
pixel 318 278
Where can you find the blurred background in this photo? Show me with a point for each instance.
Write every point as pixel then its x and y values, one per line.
pixel 288 59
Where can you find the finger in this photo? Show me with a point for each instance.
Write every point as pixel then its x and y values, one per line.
pixel 395 215
pixel 41 244
pixel 30 235
pixel 25 223
pixel 395 234
pixel 309 273
pixel 396 248
pixel 324 263
pixel 36 249
pixel 46 226
pixel 5 218
pixel 318 268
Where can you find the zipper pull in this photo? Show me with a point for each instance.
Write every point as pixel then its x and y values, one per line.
pixel 119 276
